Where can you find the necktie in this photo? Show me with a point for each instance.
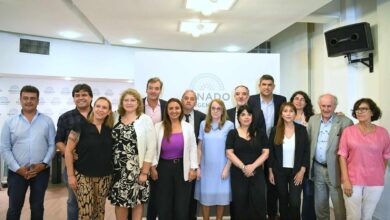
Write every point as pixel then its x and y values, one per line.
pixel 187 117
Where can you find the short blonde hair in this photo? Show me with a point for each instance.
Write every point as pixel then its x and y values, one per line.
pixel 137 96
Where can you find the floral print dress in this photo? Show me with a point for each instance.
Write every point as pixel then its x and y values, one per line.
pixel 126 191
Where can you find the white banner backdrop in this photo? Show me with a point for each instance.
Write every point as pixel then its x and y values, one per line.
pixel 55 97
pixel 210 75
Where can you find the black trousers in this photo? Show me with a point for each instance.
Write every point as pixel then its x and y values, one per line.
pixel 248 195
pixel 272 195
pixel 289 194
pixel 173 194
pixel 193 203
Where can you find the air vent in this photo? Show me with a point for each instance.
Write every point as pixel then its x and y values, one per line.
pixel 34 46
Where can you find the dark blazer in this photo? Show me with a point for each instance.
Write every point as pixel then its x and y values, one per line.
pixel 198 118
pixel 302 151
pixel 258 119
pixel 163 103
pixel 254 102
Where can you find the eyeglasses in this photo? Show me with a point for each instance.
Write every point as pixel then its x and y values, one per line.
pixel 216 109
pixel 361 110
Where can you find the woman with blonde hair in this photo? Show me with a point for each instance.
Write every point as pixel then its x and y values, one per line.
pixel 213 185
pixel 134 149
pixel 90 175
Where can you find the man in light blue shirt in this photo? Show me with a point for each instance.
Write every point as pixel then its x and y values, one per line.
pixel 324 132
pixel 27 146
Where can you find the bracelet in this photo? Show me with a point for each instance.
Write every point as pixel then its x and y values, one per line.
pixel 243 167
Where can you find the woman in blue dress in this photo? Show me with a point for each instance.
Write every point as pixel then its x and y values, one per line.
pixel 213 185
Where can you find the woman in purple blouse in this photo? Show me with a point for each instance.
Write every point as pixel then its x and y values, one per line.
pixel 175 164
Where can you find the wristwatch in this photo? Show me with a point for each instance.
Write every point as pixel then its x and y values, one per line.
pixel 46 165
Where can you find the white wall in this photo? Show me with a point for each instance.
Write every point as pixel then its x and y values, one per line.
pixel 348 82
pixel 292 45
pixel 67 58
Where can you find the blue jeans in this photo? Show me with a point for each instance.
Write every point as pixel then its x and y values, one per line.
pixel 72 207
pixel 17 187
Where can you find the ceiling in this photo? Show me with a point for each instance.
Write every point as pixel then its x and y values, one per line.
pixel 156 22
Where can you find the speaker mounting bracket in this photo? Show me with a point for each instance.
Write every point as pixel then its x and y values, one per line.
pixel 370 60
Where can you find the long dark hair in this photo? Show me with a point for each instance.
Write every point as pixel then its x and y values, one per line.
pixel 308 109
pixel 167 123
pixel 279 133
pixel 251 129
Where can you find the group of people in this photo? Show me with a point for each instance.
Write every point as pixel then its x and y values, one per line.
pixel 258 157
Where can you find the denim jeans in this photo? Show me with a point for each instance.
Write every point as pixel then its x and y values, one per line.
pixel 72 207
pixel 17 187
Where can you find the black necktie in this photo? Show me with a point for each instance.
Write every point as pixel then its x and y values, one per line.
pixel 187 117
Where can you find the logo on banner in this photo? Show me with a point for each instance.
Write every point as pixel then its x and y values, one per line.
pixel 96 92
pixel 109 92
pixel 49 90
pixel 55 101
pixel 48 112
pixel 4 100
pixel 69 101
pixel 13 111
pixel 208 86
pixel 14 89
pixel 65 91
pixel 42 101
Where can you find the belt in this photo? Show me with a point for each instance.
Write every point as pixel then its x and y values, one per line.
pixel 321 164
pixel 174 161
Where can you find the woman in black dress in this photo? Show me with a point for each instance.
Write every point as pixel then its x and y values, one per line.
pixel 248 150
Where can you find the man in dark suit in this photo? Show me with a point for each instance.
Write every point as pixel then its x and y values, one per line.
pixel 270 104
pixel 193 117
pixel 154 107
pixel 241 96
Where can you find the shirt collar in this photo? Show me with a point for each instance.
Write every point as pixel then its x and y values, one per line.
pixel 147 103
pixel 330 119
pixel 261 100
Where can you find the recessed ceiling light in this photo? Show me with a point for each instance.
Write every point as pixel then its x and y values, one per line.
pixel 68 78
pixel 232 48
pixel 207 7
pixel 70 34
pixel 130 41
pixel 196 27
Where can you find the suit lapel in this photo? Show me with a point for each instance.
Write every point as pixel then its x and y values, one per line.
pixel 333 133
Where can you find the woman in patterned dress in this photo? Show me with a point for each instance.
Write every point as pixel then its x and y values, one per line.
pixel 133 152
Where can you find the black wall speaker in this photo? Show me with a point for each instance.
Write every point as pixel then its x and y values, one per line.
pixel 349 39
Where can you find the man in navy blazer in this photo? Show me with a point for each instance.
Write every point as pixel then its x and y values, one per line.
pixel 241 96
pixel 270 104
pixel 194 117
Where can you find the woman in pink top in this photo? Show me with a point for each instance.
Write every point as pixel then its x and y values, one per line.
pixel 364 148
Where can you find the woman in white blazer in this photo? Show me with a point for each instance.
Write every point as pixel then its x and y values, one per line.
pixel 175 163
pixel 134 150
